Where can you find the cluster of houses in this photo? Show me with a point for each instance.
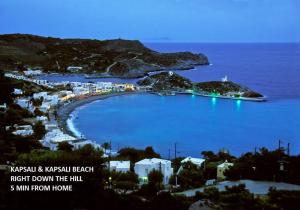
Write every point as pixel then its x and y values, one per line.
pixel 61 93
pixel 143 167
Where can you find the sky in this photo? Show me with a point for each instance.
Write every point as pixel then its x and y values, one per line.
pixel 155 20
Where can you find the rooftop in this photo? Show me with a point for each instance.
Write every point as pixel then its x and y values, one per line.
pixel 152 161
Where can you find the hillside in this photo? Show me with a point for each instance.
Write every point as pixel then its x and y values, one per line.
pixel 121 58
pixel 170 81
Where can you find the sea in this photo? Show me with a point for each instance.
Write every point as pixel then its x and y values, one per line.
pixel 192 123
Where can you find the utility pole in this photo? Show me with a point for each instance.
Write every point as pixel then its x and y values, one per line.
pixel 279 145
pixel 109 158
pixel 175 144
pixel 288 149
pixel 169 157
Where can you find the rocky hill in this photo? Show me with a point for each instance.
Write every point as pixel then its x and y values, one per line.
pixel 170 81
pixel 166 81
pixel 122 58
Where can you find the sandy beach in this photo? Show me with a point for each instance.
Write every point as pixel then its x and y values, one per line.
pixel 65 110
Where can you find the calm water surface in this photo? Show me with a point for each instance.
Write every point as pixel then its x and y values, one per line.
pixel 195 123
pixel 198 123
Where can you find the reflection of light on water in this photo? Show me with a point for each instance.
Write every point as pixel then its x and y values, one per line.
pixel 238 104
pixel 214 101
pixel 193 96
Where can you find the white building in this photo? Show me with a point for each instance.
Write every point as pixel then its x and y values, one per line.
pixel 225 79
pixel 52 99
pixel 3 106
pixel 81 91
pixel 74 68
pixel 40 95
pixel 103 87
pixel 197 161
pixel 30 72
pixel 80 144
pixel 43 119
pixel 119 166
pixel 25 103
pixel 66 95
pixel 23 130
pixel 56 135
pixel 222 168
pixel 17 91
pixel 45 107
pixel 145 166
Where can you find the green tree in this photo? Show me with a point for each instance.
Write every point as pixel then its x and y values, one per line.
pixel 38 112
pixel 65 146
pixel 190 176
pixel 155 178
pixel 39 130
pixel 106 146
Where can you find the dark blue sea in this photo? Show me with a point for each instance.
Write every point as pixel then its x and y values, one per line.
pixel 198 123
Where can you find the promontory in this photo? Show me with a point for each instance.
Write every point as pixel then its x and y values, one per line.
pixel 108 58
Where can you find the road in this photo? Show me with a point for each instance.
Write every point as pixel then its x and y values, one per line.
pixel 256 187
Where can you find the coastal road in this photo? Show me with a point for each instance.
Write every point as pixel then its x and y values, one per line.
pixel 256 187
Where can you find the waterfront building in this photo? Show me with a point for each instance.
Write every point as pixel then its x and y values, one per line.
pixel 222 168
pixel 145 166
pixel 74 68
pixel 144 88
pixel 30 72
pixel 119 166
pixel 81 91
pixel 103 87
pixel 66 95
pixel 129 87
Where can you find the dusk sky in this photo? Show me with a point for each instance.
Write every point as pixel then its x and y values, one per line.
pixel 156 20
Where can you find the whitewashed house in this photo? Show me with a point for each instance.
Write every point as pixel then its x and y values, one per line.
pixel 43 119
pixel 81 91
pixel 66 95
pixel 3 106
pixel 196 161
pixel 17 91
pixel 25 103
pixel 222 168
pixel 40 95
pixel 103 87
pixel 23 130
pixel 145 166
pixel 119 166
pixel 45 107
pixel 30 72
pixel 80 144
pixel 56 135
pixel 74 68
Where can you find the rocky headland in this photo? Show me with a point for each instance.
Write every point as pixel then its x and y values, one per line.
pixel 170 81
pixel 108 58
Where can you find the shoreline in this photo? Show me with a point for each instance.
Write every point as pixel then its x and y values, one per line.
pixel 66 110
